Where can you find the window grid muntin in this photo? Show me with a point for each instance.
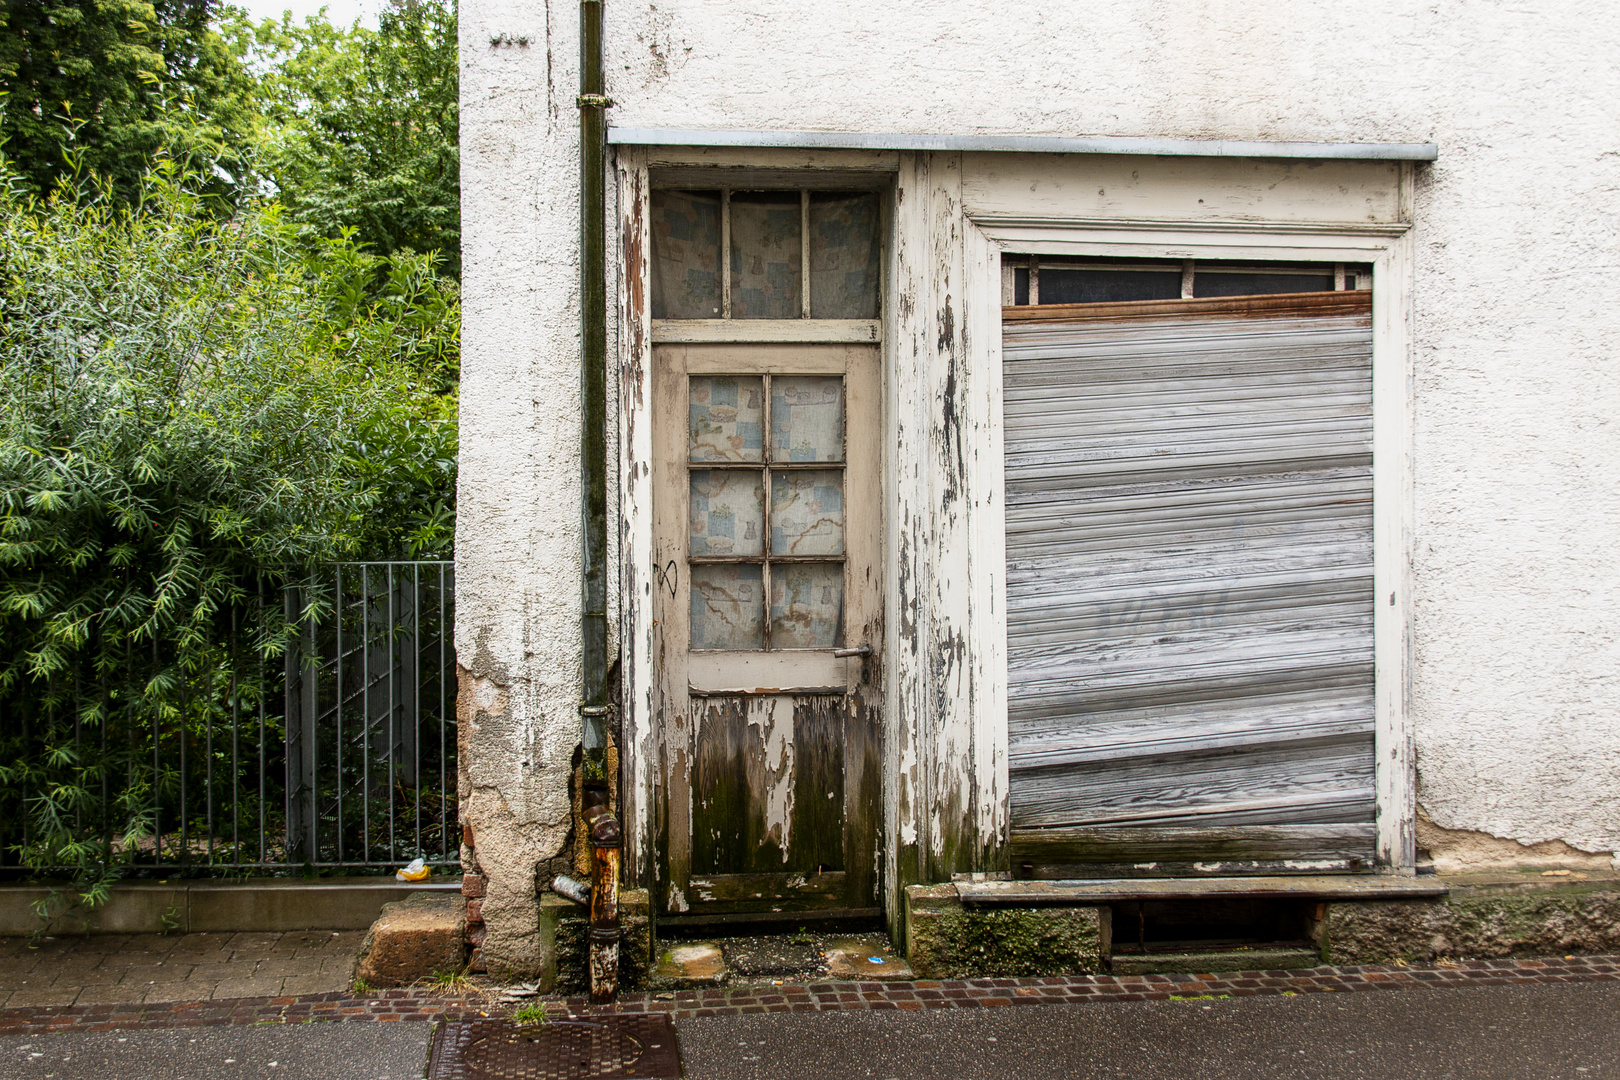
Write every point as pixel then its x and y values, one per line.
pixel 726 311
pixel 765 467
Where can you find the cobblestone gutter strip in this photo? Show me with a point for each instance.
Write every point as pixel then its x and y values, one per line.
pixel 405 1005
pixel 384 1005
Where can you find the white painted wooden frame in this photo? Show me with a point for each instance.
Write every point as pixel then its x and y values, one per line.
pixel 1388 247
pixel 638 746
pixel 635 170
pixel 944 653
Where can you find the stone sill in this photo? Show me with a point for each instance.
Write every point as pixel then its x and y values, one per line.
pixel 1338 887
pixel 204 905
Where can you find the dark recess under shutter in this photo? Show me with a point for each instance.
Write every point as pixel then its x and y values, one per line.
pixel 1189 548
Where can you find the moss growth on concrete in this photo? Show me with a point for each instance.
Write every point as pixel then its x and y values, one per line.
pixel 945 940
pixel 572 948
pixel 1529 916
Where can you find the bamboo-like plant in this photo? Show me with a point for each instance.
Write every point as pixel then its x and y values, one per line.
pixel 194 409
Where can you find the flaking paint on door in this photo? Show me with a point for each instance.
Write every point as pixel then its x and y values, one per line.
pixel 767 541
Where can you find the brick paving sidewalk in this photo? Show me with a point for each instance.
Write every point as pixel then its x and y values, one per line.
pixel 124 969
pixel 426 1004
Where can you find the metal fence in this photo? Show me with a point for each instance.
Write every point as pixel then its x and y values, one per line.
pixel 370 735
pixel 340 753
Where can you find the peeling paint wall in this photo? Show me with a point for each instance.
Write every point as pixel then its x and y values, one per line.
pixel 1517 461
pixel 517 547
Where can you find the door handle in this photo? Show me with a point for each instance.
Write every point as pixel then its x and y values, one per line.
pixel 863 651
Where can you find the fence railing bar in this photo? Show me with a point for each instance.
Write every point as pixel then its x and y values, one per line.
pixel 129 710
pixel 416 698
pixel 337 749
pixel 22 796
pixel 185 817
pixel 236 731
pixel 312 744
pixel 78 739
pixel 208 782
pixel 365 684
pixel 393 719
pixel 444 830
pixel 264 763
pixel 291 730
pixel 103 770
pixel 157 773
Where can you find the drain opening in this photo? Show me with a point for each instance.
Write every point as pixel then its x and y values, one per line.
pixel 1150 927
pixel 599 1048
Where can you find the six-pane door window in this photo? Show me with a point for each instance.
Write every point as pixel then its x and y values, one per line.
pixel 765 460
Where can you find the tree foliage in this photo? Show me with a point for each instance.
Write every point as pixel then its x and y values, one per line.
pixel 361 127
pixel 189 410
pixel 102 78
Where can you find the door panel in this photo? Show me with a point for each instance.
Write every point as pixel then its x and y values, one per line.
pixel 766 534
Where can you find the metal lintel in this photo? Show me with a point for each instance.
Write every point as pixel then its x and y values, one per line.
pixel 1025 144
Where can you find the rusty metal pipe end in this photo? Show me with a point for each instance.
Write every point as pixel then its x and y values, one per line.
pixel 604 827
pixel 577 891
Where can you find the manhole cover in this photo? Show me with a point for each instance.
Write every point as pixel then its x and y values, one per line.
pixel 604 1048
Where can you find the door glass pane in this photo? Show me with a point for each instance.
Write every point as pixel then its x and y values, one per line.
pixel 807 418
pixel 728 607
pixel 685 254
pixel 765 255
pixel 727 418
pixel 728 512
pixel 844 255
pixel 807 512
pixel 807 605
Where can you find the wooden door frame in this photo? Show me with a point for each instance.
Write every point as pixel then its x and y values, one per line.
pixel 642 756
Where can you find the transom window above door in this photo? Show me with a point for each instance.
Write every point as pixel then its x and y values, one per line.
pixel 773 254
pixel 765 468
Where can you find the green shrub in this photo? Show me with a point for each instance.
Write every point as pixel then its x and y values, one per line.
pixel 194 408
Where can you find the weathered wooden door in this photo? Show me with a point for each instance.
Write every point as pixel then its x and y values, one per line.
pixel 766 537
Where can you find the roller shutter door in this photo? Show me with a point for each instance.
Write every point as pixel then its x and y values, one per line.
pixel 1189 547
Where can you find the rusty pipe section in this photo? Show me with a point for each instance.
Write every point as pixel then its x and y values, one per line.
pixel 606 840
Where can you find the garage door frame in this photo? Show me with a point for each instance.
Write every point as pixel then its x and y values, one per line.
pixel 1388 247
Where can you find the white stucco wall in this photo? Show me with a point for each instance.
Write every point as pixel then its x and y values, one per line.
pixel 1516 686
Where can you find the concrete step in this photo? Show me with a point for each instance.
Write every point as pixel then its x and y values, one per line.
pixel 416 938
pixel 689 964
pixel 865 958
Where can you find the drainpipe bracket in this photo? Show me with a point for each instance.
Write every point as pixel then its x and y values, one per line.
pixel 594 101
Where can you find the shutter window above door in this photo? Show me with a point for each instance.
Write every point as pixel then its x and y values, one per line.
pixel 1189 546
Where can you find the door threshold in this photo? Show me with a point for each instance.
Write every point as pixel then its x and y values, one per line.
pixel 755 922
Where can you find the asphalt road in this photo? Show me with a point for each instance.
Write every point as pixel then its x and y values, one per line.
pixel 1567 1032
pixel 1563 1032
pixel 355 1051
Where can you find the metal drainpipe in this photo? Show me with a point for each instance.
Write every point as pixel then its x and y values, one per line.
pixel 604 898
pixel 604 827
pixel 593 375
